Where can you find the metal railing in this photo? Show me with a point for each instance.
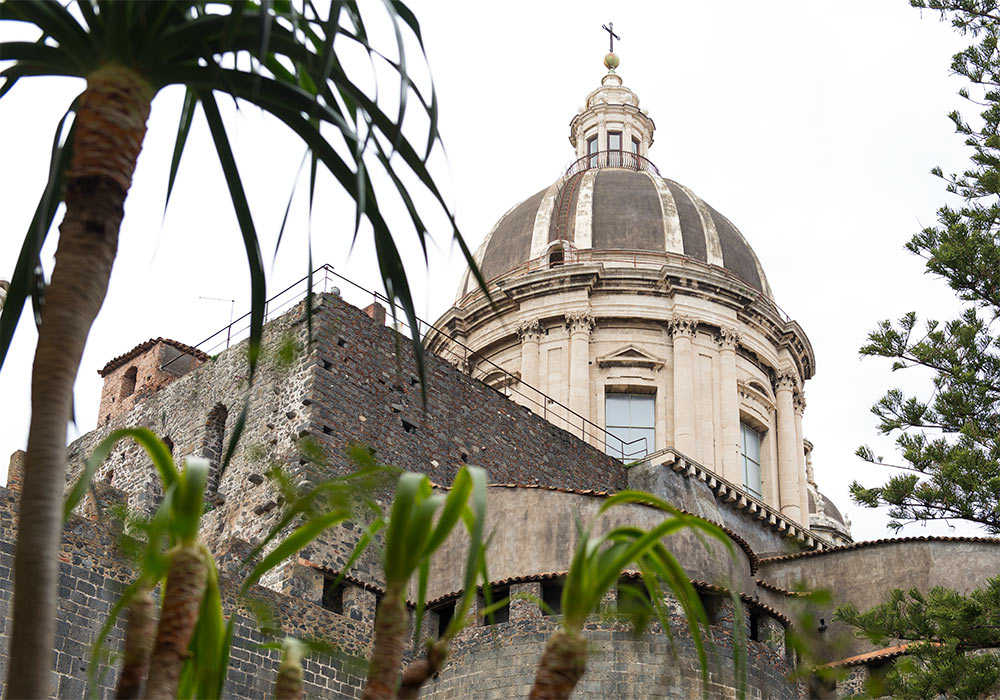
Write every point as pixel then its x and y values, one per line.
pixel 325 279
pixel 613 159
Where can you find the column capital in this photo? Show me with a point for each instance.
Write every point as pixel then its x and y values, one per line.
pixel 799 401
pixel 529 330
pixel 727 338
pixel 580 322
pixel 785 380
pixel 682 326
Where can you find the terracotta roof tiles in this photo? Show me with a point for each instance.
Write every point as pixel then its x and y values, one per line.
pixel 872 656
pixel 143 347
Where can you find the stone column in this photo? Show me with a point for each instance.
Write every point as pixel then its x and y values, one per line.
pixel 788 448
pixel 683 330
pixel 799 402
pixel 529 396
pixel 579 325
pixel 729 401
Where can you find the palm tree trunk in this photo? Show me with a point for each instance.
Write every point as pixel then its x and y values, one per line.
pixel 139 635
pixel 110 125
pixel 420 670
pixel 185 587
pixel 561 667
pixel 288 686
pixel 387 656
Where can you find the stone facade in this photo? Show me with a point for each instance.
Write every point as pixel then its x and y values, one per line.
pixel 142 371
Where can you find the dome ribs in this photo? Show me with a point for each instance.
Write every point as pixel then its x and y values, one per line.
pixel 565 207
pixel 603 213
pixel 692 229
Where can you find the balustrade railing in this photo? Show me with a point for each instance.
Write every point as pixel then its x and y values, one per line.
pixel 613 159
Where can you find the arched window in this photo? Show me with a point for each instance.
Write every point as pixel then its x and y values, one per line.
pixel 169 443
pixel 557 254
pixel 128 381
pixel 213 445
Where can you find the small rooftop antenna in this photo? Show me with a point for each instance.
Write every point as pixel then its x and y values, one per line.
pixel 232 307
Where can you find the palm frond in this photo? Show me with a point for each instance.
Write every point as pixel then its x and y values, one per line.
pixel 27 279
pixel 258 294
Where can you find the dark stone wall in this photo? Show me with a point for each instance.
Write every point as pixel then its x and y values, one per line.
pixel 93 573
pixel 499 661
pixel 366 390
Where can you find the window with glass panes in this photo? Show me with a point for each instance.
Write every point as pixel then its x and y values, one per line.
pixel 592 148
pixel 750 453
pixel 629 420
pixel 614 149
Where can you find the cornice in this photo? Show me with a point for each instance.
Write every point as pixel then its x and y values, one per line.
pixel 677 277
pixel 728 494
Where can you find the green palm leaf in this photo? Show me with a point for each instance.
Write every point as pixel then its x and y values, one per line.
pixel 294 72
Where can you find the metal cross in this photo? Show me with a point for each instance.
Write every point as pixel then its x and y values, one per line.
pixel 610 29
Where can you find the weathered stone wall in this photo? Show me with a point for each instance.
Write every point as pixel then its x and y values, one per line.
pixel 695 496
pixel 864 572
pixel 155 367
pixel 366 390
pixel 496 661
pixel 499 661
pixel 356 383
pixel 547 520
pixel 93 573
pixel 180 413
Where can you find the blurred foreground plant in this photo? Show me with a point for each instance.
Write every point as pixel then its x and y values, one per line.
pixel 174 557
pixel 188 657
pixel 597 564
pixel 420 521
pixel 283 57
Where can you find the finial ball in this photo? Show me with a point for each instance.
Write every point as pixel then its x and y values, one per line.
pixel 611 61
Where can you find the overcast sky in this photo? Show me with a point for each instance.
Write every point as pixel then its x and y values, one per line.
pixel 812 126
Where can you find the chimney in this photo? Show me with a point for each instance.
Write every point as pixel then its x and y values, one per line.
pixel 377 313
pixel 15 472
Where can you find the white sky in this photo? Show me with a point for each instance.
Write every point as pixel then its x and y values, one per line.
pixel 811 126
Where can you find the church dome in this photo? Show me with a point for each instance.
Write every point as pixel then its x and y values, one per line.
pixel 608 211
pixel 826 509
pixel 629 312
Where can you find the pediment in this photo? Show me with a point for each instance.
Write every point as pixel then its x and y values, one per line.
pixel 630 356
